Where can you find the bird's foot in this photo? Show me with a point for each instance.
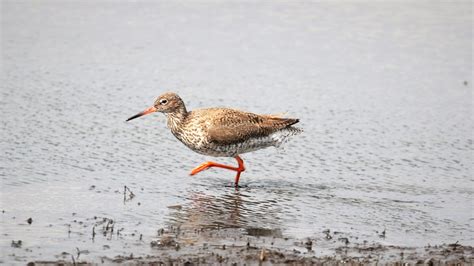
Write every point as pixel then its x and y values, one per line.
pixel 236 186
pixel 201 167
pixel 208 165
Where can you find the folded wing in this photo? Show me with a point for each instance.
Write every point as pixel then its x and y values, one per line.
pixel 233 126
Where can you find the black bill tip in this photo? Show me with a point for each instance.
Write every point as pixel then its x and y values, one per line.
pixel 133 117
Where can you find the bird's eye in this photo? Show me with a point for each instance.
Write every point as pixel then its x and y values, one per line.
pixel 163 101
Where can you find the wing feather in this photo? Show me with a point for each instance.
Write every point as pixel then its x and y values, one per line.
pixel 230 126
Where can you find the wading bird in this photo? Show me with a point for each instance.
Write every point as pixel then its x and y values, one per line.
pixel 221 132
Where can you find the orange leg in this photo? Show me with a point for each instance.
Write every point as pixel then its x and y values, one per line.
pixel 207 165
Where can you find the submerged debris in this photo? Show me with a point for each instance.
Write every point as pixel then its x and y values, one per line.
pixel 164 242
pixel 16 244
pixel 328 236
pixel 309 244
pixel 345 240
pixel 127 196
pixel 262 254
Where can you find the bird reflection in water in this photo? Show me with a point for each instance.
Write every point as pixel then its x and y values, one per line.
pixel 233 215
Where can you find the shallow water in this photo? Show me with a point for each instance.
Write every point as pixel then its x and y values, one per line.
pixel 383 92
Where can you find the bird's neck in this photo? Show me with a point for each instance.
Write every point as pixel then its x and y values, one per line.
pixel 176 118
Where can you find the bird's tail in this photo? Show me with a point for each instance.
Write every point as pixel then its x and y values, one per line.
pixel 279 115
pixel 282 136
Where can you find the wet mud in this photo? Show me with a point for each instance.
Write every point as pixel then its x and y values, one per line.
pixel 232 247
pixel 187 240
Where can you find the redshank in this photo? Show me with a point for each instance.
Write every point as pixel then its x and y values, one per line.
pixel 221 132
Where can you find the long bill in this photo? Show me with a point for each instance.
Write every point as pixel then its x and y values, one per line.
pixel 147 111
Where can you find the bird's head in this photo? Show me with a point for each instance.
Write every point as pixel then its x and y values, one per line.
pixel 166 103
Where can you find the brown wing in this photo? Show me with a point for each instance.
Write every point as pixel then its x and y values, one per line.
pixel 229 126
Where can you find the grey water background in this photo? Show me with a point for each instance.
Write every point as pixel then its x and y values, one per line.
pixel 383 92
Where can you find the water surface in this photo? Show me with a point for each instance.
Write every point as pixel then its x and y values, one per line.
pixel 383 92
